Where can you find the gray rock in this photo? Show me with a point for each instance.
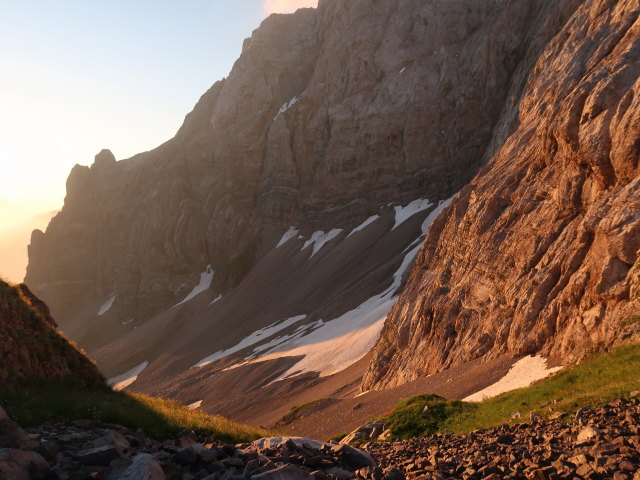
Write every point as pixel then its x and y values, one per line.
pixel 341 473
pixel 144 467
pixel 98 456
pixel 287 472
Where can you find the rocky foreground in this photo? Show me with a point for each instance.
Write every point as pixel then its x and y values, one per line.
pixel 596 444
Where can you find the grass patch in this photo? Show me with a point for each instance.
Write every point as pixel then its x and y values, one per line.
pixel 65 400
pixel 598 380
pixel 425 415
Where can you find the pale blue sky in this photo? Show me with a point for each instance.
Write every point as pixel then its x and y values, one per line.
pixel 77 76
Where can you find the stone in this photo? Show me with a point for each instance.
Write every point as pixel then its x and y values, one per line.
pixel 98 456
pixel 286 472
pixel 393 474
pixel 587 434
pixel 12 436
pixel 144 467
pixel 22 465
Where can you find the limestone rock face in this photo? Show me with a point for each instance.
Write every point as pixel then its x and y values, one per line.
pixel 539 253
pixel 327 115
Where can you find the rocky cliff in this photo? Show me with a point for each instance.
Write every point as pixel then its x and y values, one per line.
pixel 539 253
pixel 30 345
pixel 328 115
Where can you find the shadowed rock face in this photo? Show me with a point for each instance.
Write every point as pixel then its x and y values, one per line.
pixel 539 253
pixel 327 115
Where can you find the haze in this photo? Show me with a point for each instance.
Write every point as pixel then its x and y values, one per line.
pixel 80 76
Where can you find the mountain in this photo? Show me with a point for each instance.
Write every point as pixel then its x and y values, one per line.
pixel 13 246
pixel 539 253
pixel 249 263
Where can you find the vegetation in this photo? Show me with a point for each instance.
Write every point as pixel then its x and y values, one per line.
pixel 425 415
pixel 599 379
pixel 40 401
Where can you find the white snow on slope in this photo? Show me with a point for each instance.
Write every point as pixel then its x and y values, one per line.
pixel 522 374
pixel 288 235
pixel 106 306
pixel 335 345
pixel 206 278
pixel 215 300
pixel 364 224
pixel 329 347
pixel 195 405
pixel 319 239
pixel 127 378
pixel 252 339
pixel 286 106
pixel 405 213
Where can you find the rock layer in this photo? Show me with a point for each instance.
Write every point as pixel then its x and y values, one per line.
pixel 539 253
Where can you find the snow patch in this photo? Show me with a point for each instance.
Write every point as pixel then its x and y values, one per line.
pixel 195 405
pixel 286 106
pixel 319 239
pixel 364 224
pixel 127 378
pixel 252 339
pixel 405 213
pixel 206 278
pixel 288 235
pixel 217 299
pixel 106 306
pixel 402 70
pixel 522 374
pixel 341 342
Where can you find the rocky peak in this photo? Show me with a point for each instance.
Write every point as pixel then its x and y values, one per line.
pixel 104 159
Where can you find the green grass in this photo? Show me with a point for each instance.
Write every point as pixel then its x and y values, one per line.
pixel 425 415
pixel 599 379
pixel 66 400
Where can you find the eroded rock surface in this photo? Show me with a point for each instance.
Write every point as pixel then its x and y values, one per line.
pixel 539 253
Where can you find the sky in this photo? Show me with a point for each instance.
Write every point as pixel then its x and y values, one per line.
pixel 77 76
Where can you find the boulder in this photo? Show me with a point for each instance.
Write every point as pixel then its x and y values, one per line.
pixel 144 467
pixel 22 465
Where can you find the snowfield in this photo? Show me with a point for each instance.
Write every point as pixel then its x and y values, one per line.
pixel 127 378
pixel 106 306
pixel 522 374
pixel 206 278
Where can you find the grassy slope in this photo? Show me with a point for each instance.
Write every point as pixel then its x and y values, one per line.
pixel 598 380
pixel 43 401
pixel 83 394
